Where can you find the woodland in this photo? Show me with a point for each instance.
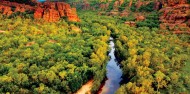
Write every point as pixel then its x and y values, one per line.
pixel 42 57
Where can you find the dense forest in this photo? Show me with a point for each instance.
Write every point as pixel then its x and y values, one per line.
pixel 51 57
pixel 41 57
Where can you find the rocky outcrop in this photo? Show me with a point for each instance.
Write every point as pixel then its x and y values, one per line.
pixel 51 15
pixel 53 11
pixel 175 16
pixel 173 2
pixel 49 11
pixel 6 10
pixel 17 5
pixel 38 13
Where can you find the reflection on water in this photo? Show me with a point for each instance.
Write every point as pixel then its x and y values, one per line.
pixel 114 73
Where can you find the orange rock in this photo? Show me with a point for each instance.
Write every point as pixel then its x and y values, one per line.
pixel 19 9
pixel 163 26
pixel 51 15
pixel 175 15
pixel 7 11
pixel 49 11
pixel 140 18
pixel 38 13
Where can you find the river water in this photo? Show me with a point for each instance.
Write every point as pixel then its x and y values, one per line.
pixel 113 74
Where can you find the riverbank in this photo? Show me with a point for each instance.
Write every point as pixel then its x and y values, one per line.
pixel 85 89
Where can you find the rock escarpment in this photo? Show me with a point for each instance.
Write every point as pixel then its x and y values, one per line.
pixel 175 16
pixel 52 11
pixel 49 11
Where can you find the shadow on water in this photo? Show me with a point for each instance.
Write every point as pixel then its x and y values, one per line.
pixel 113 74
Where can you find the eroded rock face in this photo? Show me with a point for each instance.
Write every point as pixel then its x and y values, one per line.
pixel 38 13
pixel 19 9
pixel 49 11
pixel 175 16
pixel 6 10
pixel 53 11
pixel 51 15
pixel 173 2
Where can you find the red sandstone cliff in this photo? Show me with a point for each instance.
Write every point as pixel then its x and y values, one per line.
pixel 49 11
pixel 175 16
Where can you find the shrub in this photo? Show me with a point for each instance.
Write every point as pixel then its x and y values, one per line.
pixel 152 21
pixel 147 8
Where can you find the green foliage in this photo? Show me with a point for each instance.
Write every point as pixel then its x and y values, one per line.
pixel 151 21
pixel 123 6
pixel 27 14
pixel 152 62
pixel 129 18
pixel 147 8
pixel 47 58
pixel 133 7
pixel 24 1
pixel 41 57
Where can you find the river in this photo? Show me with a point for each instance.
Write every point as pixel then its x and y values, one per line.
pixel 113 74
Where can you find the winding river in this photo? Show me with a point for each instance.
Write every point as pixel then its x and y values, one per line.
pixel 114 73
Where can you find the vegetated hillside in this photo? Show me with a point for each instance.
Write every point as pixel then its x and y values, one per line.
pixel 41 57
pixel 173 15
pixel 152 60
